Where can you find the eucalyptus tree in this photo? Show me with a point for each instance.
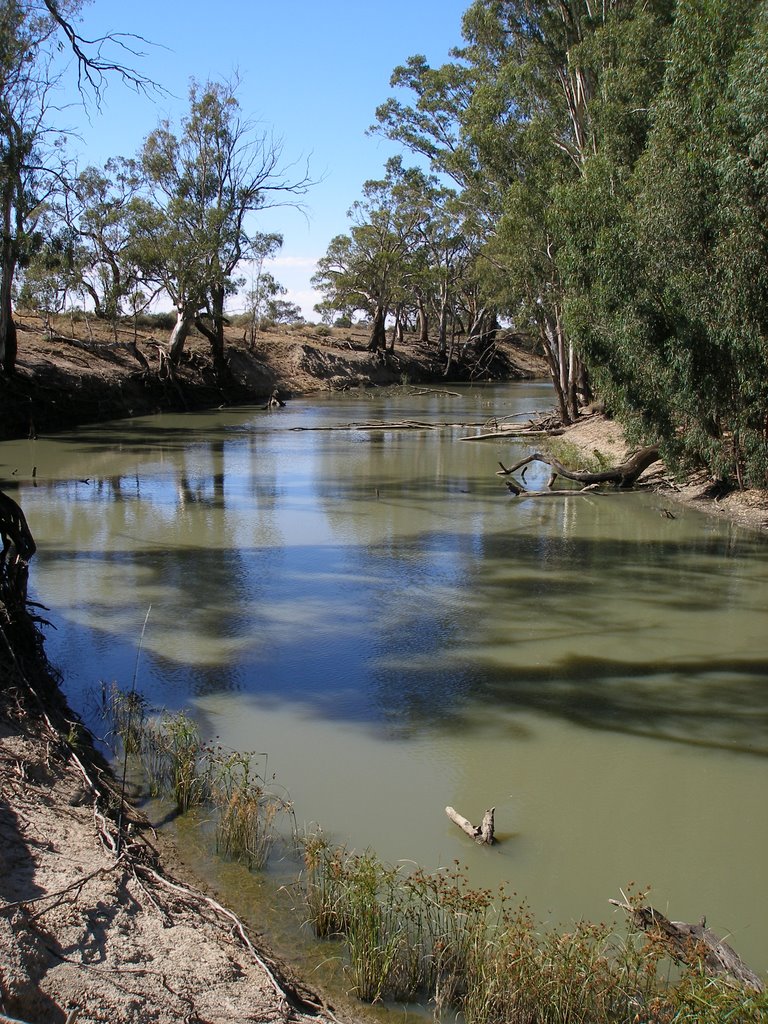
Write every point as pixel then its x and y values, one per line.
pixel 505 119
pixel 370 269
pixel 509 118
pixel 33 36
pixel 98 210
pixel 442 242
pixel 26 58
pixel 263 286
pixel 204 183
pixel 677 300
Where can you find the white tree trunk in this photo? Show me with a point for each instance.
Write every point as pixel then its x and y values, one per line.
pixel 180 333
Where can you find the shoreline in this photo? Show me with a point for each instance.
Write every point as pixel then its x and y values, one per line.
pixel 747 509
pixel 90 937
pixel 102 923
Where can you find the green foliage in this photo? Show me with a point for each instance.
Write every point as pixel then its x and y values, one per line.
pixel 615 158
pixel 203 183
pixel 667 255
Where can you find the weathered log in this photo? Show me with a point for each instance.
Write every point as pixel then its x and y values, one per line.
pixel 693 944
pixel 517 433
pixel 623 476
pixel 482 833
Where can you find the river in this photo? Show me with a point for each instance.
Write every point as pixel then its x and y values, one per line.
pixel 374 614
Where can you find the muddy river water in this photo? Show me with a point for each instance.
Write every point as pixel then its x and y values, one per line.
pixel 370 611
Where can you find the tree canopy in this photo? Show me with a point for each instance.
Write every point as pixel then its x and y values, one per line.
pixel 611 160
pixel 591 174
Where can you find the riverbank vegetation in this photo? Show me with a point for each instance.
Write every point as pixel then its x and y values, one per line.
pixel 607 194
pixel 177 766
pixel 407 936
pixel 411 936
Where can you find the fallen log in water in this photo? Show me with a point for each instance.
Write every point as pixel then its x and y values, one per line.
pixel 482 833
pixel 624 476
pixel 516 433
pixel 693 944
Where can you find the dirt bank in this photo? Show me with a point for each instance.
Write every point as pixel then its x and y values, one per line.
pixel 94 927
pixel 85 372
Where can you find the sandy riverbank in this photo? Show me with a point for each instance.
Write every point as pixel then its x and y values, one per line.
pixel 748 508
pixel 98 927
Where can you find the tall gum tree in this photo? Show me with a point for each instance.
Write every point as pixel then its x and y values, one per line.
pixel 204 185
pixel 33 36
pixel 371 268
pixel 509 118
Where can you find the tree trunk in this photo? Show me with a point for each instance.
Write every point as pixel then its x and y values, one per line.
pixel 553 343
pixel 423 321
pixel 624 475
pixel 184 322
pixel 216 338
pixel 397 328
pixel 8 343
pixel 8 340
pixel 442 335
pixel 378 331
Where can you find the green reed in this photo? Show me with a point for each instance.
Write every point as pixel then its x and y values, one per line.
pixel 245 830
pixel 178 766
pixel 174 760
pixel 127 713
pixel 432 937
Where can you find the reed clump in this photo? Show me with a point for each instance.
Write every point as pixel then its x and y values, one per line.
pixel 178 766
pixel 127 711
pixel 247 810
pixel 432 938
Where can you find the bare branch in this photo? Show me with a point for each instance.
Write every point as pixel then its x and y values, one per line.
pixel 93 66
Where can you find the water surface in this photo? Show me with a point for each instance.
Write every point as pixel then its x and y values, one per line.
pixel 373 610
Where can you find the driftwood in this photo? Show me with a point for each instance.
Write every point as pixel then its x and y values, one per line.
pixel 275 401
pixel 623 476
pixel 383 425
pixel 482 833
pixel 517 433
pixel 693 944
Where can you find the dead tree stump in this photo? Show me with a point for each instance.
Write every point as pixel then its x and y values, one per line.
pixel 482 833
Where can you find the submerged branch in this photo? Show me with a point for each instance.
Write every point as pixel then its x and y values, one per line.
pixel 693 944
pixel 623 476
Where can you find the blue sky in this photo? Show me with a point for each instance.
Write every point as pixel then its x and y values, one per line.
pixel 313 72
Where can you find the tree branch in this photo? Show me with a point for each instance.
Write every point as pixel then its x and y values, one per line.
pixel 93 67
